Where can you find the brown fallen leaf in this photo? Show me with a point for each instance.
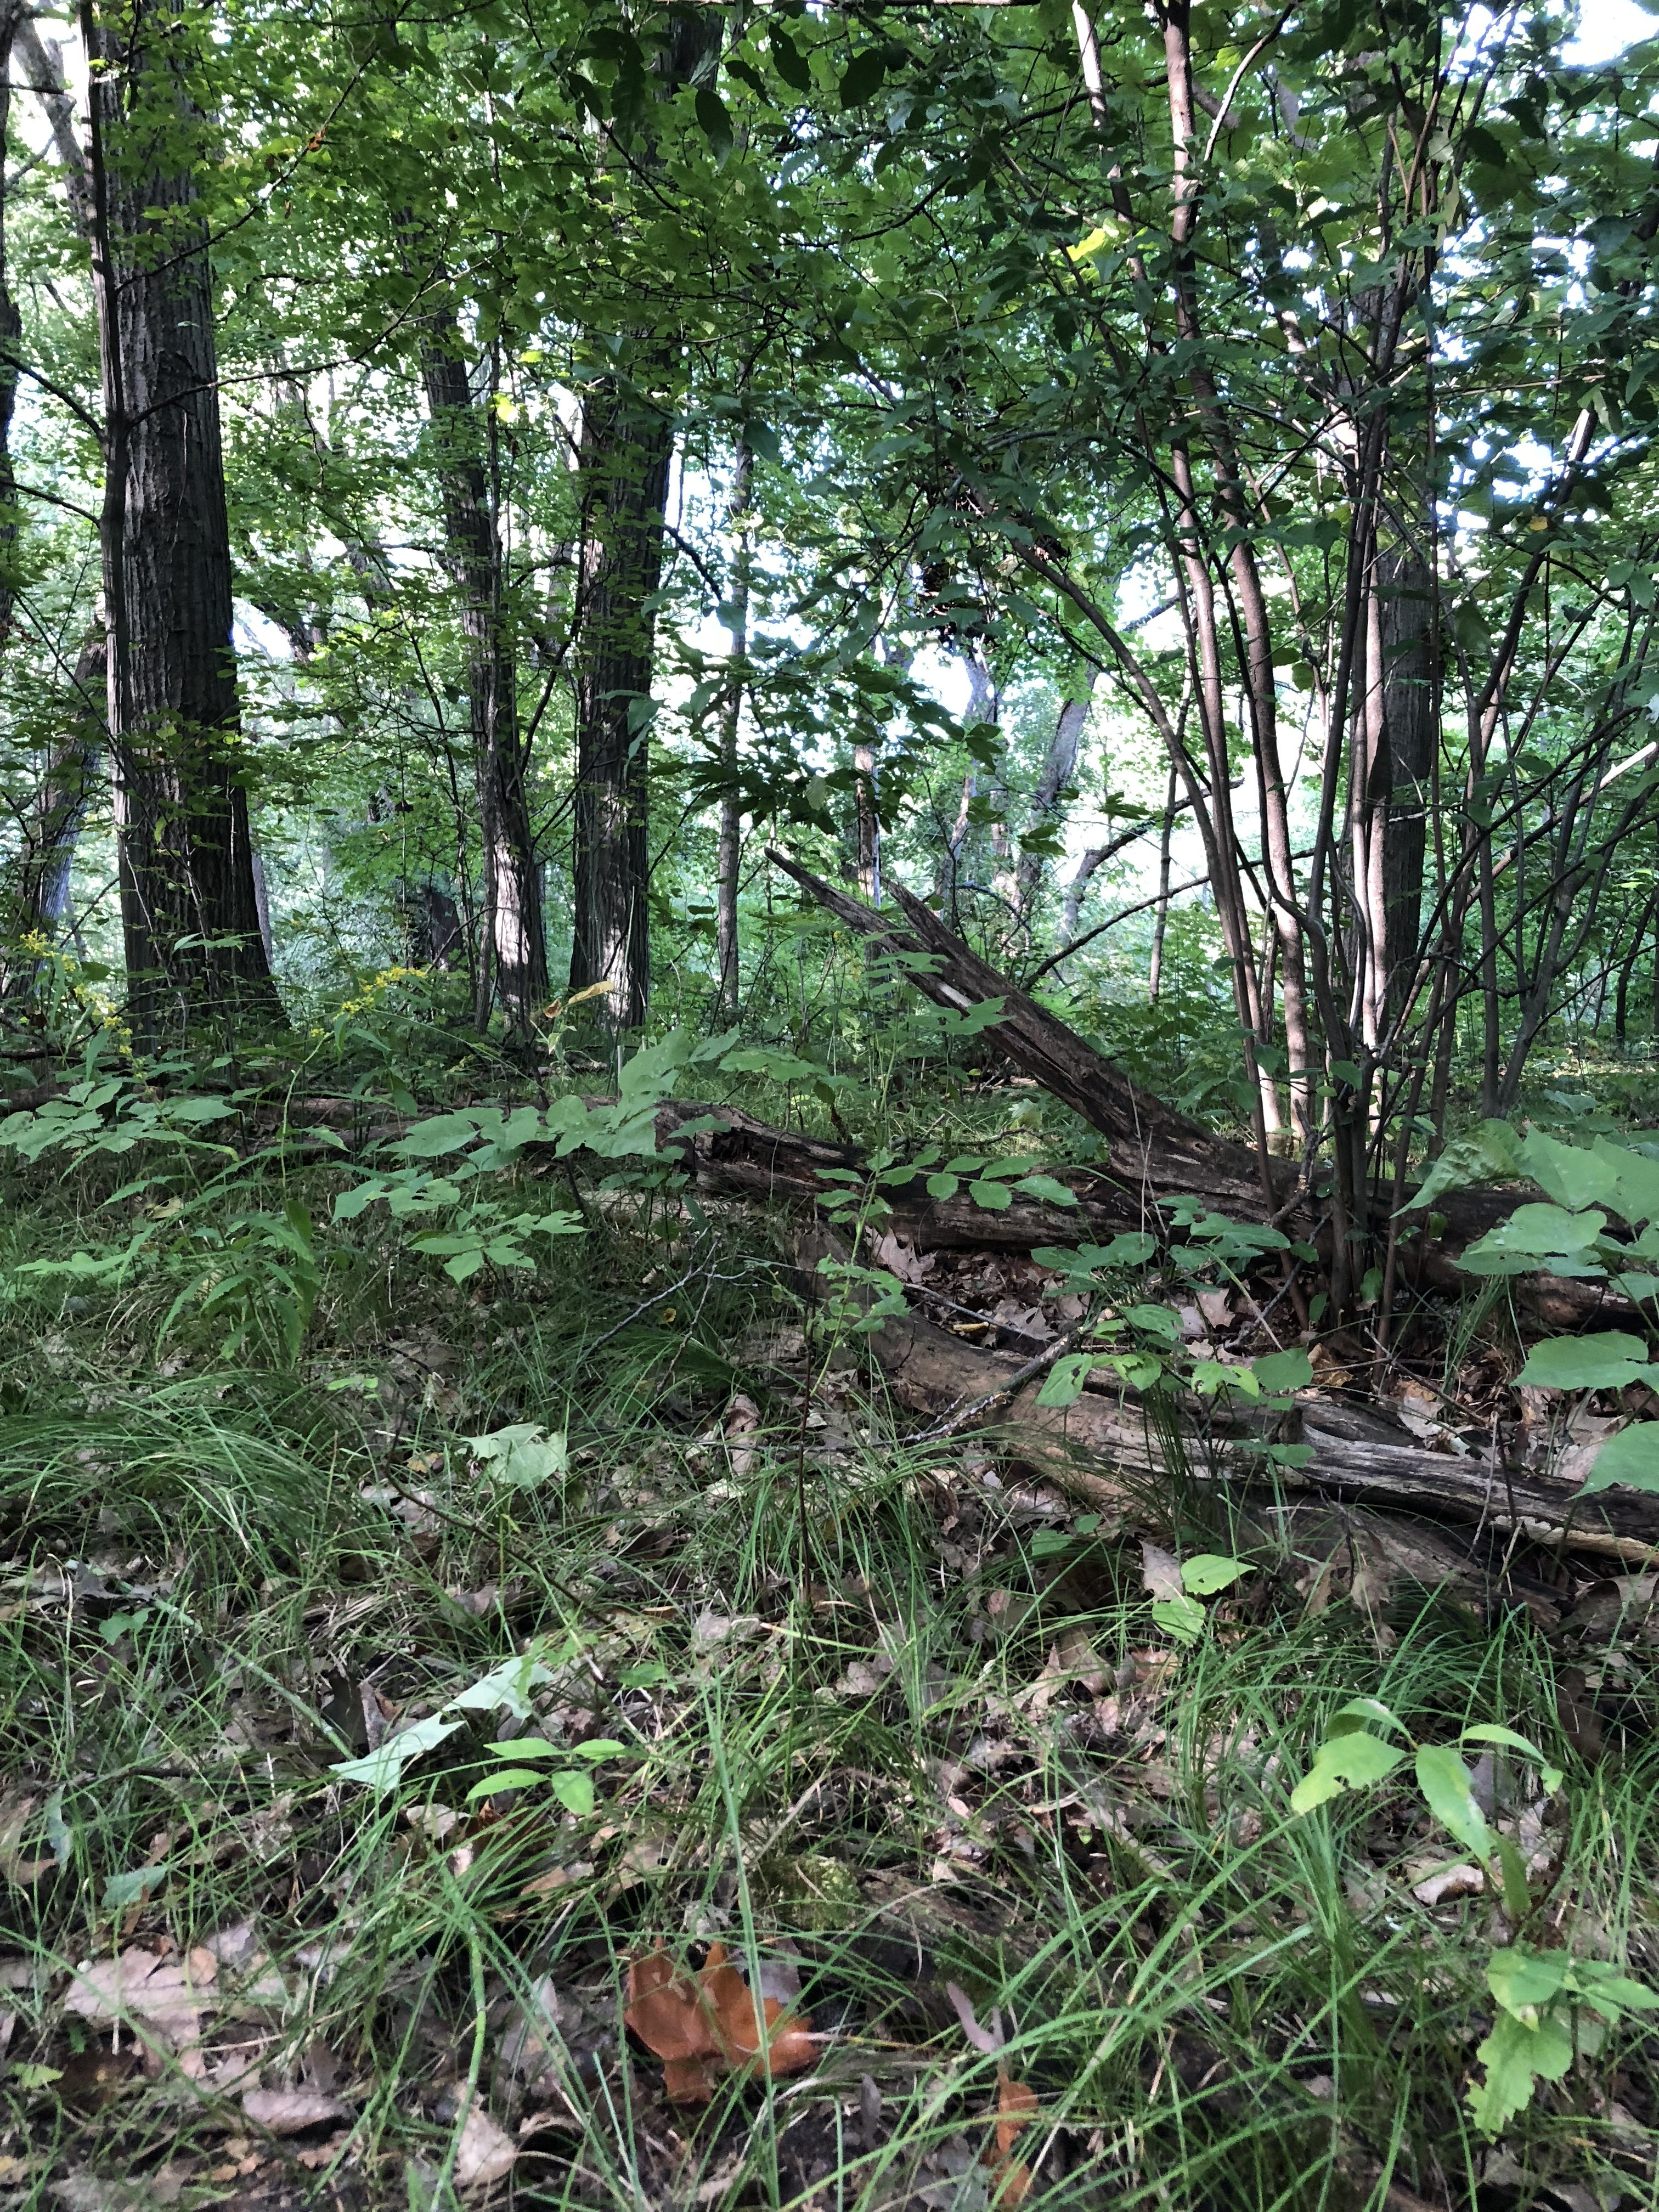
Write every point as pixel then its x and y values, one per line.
pixel 1016 2108
pixel 485 2152
pixel 290 2112
pixel 664 2010
pixel 14 1809
pixel 757 2033
pixel 163 2002
pixel 700 2027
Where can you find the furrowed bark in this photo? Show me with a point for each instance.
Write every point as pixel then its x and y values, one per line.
pixel 513 956
pixel 189 912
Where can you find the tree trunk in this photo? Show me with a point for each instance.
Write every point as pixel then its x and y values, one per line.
pixel 729 853
pixel 61 806
pixel 11 329
pixel 627 443
pixel 1058 770
pixel 1160 926
pixel 188 908
pixel 513 954
pixel 1410 722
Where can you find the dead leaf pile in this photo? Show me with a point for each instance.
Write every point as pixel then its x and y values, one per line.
pixel 705 2024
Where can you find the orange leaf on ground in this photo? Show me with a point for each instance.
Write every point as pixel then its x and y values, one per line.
pixel 698 2028
pixel 665 2010
pixel 756 2034
pixel 1016 2106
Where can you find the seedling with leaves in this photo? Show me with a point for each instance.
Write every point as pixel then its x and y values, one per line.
pixel 1539 1994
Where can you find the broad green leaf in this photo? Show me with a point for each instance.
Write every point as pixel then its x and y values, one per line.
pixel 1046 1187
pixel 1630 1459
pixel 992 1197
pixel 1506 1739
pixel 714 121
pixel 1283 1370
pixel 1449 1787
pixel 527 1746
pixel 1346 1762
pixel 1522 1980
pixel 861 79
pixel 121 1890
pixel 1516 2057
pixel 573 1791
pixel 1605 1360
pixel 1063 1384
pixel 432 1138
pixel 1180 1617
pixel 1359 1713
pixel 522 1455
pixel 509 1684
pixel 788 60
pixel 942 1186
pixel 1138 1370
pixel 1210 1571
pixel 598 1747
pixel 507 1777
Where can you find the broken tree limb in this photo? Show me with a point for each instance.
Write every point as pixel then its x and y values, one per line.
pixel 1153 1151
pixel 1105 1446
pixel 730 1153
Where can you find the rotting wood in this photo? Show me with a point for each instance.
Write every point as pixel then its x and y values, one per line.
pixel 1104 1448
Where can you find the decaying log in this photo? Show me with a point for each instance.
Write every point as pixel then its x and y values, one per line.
pixel 1104 1448
pixel 732 1154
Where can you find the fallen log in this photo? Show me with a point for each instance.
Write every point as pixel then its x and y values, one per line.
pixel 1105 1447
pixel 732 1154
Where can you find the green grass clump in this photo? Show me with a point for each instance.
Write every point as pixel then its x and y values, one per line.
pixel 889 1725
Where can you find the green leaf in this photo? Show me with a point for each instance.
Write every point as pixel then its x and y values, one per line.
pixel 1522 1980
pixel 431 1140
pixel 1449 1787
pixel 943 1185
pixel 527 1746
pixel 992 1197
pixel 789 62
pixel 122 1890
pixel 1180 1617
pixel 1507 1740
pixel 522 1456
pixel 506 1778
pixel 1046 1187
pixel 1358 1711
pixel 1063 1384
pixel 1346 1762
pixel 1605 1360
pixel 1630 1459
pixel 1210 1571
pixel 1515 2057
pixel 1283 1370
pixel 861 79
pixel 714 120
pixel 383 1768
pixel 574 1792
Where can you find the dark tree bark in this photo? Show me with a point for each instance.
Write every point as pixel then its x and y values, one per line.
pixel 513 955
pixel 11 328
pixel 729 855
pixel 1411 718
pixel 189 912
pixel 627 444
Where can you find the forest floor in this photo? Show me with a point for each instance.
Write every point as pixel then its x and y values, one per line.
pixel 895 1725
